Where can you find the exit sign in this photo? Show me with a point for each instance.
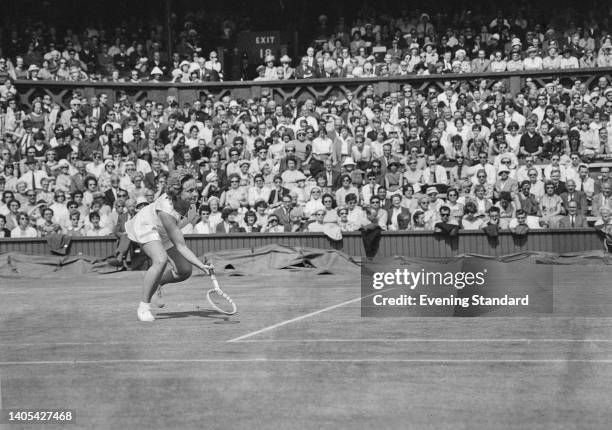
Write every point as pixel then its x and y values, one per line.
pixel 257 43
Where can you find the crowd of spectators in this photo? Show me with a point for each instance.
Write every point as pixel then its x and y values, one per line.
pixel 376 44
pixel 461 158
pixel 414 43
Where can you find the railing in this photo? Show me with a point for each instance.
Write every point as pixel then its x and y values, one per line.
pixel 61 91
pixel 416 244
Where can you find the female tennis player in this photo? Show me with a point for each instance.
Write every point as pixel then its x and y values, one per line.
pixel 157 228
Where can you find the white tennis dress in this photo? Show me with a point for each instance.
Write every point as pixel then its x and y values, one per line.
pixel 146 226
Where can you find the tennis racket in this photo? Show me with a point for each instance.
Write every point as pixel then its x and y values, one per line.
pixel 219 299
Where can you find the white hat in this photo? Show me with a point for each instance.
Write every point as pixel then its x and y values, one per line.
pixel 285 59
pixel 141 200
pixel 33 67
pixel 495 36
pixel 184 63
pixel 516 41
pixel 241 162
pixel 233 103
pixel 300 177
pixel 63 163
pixel 269 58
pixel 432 190
pixel 156 71
pixel 503 169
pixel 348 162
pixel 211 176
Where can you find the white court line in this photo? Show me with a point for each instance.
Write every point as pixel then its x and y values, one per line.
pixel 301 360
pixel 424 340
pixel 282 323
pixel 158 342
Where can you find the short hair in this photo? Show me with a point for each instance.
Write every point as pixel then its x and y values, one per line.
pixel 250 214
pixel 493 209
pixel 520 212
pixel 350 197
pixel 176 179
pixel 226 212
pixel 470 207
pixel 94 214
pixel 2 217
pixel 505 195
pixel 260 203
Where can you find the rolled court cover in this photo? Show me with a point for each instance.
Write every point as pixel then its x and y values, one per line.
pixel 251 261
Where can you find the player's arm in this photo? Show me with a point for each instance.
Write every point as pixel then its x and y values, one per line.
pixel 177 238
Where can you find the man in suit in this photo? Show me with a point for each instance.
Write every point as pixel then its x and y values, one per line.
pixel 332 177
pixel 481 63
pixel 387 158
pixel 215 167
pixel 33 176
pixel 603 199
pixel 228 225
pixel 573 219
pixel 165 133
pixel 304 70
pixel 283 213
pixel 77 180
pixel 95 110
pixel 75 110
pixel 435 175
pixel 149 178
pixel 112 194
pixel 578 196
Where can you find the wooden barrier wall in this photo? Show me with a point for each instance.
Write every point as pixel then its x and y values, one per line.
pixel 61 91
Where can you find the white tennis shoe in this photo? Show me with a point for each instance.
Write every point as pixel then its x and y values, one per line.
pixel 144 312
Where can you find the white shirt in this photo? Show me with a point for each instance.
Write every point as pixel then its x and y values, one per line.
pixel 256 193
pixel 27 177
pixel 28 232
pixel 322 145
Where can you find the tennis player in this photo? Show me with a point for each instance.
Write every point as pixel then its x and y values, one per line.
pixel 157 227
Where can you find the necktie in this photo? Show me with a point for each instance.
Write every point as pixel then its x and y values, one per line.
pixel 33 181
pixel 581 185
pixel 432 176
pixel 573 222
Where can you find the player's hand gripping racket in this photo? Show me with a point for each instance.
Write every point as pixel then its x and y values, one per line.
pixel 218 298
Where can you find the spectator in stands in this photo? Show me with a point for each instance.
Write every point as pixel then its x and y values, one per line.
pixel 23 229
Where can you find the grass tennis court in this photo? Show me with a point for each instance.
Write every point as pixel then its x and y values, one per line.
pixel 299 356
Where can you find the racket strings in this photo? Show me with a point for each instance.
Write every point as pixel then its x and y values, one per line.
pixel 221 301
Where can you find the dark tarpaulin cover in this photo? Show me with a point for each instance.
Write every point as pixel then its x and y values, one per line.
pixel 254 260
pixel 279 257
pixel 15 265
